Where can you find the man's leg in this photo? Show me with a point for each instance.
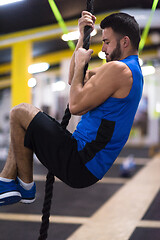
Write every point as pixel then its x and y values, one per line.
pixel 10 169
pixel 20 159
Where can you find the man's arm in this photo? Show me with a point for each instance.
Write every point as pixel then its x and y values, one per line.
pixel 72 63
pixel 111 79
pixel 87 19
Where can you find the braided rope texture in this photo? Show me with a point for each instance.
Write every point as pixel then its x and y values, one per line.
pixel 87 32
pixel 65 120
pixel 87 29
pixel 46 206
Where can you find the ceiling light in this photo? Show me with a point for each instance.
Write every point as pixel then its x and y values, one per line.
pixel 102 55
pixel 4 2
pixel 32 82
pixel 38 67
pixel 70 36
pixel 155 37
pixel 148 70
pixel 58 86
pixel 75 35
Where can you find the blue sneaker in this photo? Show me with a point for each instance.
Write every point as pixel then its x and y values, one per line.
pixel 9 193
pixel 28 196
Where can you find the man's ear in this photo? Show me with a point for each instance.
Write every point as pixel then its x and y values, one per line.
pixel 126 41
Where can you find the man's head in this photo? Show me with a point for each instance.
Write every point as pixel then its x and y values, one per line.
pixel 120 32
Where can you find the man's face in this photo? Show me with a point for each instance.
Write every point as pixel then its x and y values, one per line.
pixel 111 45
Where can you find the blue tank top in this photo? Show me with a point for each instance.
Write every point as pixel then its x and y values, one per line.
pixel 103 131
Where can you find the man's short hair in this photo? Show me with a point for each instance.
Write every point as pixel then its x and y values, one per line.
pixel 125 25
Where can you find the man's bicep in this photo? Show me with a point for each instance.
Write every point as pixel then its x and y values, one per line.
pixel 98 90
pixel 94 93
pixel 103 84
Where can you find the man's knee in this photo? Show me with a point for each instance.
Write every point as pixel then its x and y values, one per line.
pixel 15 111
pixel 23 106
pixel 23 114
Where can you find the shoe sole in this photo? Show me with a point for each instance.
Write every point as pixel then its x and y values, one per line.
pixel 10 198
pixel 27 201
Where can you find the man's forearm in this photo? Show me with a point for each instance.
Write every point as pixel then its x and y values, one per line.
pixel 78 91
pixel 87 19
pixel 72 63
pixel 76 88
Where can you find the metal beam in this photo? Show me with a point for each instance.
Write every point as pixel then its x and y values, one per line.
pixel 57 57
pixel 41 33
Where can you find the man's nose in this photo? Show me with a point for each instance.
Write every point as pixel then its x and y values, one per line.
pixel 103 48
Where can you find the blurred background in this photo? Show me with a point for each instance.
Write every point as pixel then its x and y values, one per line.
pixel 37 39
pixel 30 34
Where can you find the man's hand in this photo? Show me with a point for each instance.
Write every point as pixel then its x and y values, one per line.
pixel 87 19
pixel 82 56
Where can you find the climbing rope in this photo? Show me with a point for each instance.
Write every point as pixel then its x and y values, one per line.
pixel 46 206
pixel 67 115
pixel 87 32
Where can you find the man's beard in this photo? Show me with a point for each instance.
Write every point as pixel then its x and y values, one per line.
pixel 116 54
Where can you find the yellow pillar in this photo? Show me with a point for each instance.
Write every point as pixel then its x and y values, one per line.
pixel 21 59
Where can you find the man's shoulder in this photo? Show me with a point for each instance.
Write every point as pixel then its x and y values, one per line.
pixel 115 68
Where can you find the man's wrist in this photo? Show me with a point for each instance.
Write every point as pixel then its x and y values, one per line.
pixel 80 42
pixel 79 66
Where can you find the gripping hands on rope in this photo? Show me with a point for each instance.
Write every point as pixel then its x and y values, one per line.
pixel 86 25
pixel 83 56
pixel 87 20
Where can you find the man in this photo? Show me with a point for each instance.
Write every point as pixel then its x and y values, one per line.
pixel 107 98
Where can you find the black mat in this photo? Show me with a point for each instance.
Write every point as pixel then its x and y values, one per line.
pixel 146 234
pixel 68 201
pixel 153 213
pixel 115 171
pixel 139 152
pixel 30 231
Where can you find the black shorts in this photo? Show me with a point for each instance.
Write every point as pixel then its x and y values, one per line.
pixel 57 151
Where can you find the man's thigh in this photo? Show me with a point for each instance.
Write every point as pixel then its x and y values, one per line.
pixel 52 145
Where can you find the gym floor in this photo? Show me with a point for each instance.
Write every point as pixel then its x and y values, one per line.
pixel 116 208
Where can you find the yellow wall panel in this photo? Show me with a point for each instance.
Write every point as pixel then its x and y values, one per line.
pixel 21 59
